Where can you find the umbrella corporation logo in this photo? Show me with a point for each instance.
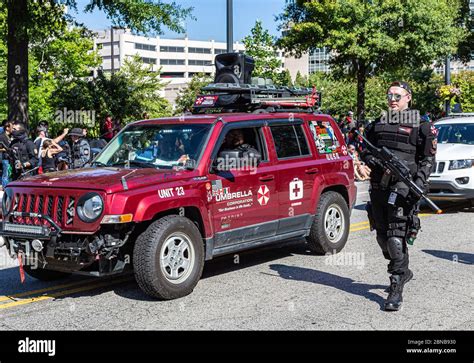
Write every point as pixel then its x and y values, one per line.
pixel 28 345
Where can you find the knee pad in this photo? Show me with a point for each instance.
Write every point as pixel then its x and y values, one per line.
pixel 395 248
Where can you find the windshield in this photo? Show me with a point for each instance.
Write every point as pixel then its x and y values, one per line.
pixel 456 134
pixel 155 146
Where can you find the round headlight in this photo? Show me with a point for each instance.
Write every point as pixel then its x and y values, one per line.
pixel 90 207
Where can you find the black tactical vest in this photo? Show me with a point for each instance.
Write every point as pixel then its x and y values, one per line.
pixel 400 138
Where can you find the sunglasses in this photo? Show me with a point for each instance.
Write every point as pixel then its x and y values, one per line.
pixel 394 96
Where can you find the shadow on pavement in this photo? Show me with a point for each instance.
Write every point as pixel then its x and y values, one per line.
pixel 459 257
pixel 327 279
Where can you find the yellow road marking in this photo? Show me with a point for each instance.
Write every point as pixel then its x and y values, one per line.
pixel 63 293
pixel 46 289
pixel 358 224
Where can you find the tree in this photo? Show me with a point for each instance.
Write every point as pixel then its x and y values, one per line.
pixel 372 36
pixel 188 94
pixel 125 95
pixel 301 81
pixel 260 45
pixel 284 79
pixel 37 20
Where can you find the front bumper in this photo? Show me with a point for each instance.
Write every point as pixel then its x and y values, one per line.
pixel 27 231
pixel 448 190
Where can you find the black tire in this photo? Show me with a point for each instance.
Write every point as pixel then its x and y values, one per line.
pixel 45 275
pixel 319 241
pixel 151 273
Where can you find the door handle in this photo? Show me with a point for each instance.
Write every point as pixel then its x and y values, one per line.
pixel 311 171
pixel 266 178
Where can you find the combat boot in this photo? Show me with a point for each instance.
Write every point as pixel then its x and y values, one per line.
pixel 407 276
pixel 395 298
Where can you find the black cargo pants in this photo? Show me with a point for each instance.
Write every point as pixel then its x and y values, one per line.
pixel 390 221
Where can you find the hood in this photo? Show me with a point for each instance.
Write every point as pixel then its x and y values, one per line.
pixel 109 180
pixel 454 152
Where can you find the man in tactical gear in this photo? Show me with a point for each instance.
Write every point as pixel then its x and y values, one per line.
pixel 23 152
pixel 81 150
pixel 393 210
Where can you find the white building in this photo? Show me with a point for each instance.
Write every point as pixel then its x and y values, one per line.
pixel 179 59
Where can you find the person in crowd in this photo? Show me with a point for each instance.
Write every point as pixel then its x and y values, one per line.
pixel 5 140
pixel 81 150
pixel 362 171
pixel 48 155
pixel 23 152
pixel 108 129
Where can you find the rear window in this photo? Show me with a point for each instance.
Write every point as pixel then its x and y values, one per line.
pixel 290 141
pixel 324 137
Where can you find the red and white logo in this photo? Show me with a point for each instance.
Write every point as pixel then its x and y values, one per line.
pixel 344 149
pixel 434 130
pixel 263 195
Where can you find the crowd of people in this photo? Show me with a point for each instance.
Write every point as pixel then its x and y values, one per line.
pixel 23 154
pixel 355 144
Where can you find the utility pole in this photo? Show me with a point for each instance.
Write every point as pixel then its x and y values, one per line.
pixel 447 81
pixel 230 26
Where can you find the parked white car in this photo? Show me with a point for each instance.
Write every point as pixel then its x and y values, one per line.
pixel 453 178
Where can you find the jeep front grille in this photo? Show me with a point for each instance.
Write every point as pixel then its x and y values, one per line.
pixel 61 209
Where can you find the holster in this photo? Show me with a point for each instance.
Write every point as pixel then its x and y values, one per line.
pixel 370 215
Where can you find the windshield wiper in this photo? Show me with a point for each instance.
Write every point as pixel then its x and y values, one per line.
pixel 135 162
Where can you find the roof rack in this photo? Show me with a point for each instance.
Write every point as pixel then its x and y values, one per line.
pixel 233 97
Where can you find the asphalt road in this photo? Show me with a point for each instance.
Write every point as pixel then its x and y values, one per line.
pixel 282 287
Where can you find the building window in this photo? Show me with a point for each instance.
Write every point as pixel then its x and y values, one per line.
pixel 172 62
pixel 192 74
pixel 197 62
pixel 145 47
pixel 199 50
pixel 220 51
pixel 172 75
pixel 149 60
pixel 167 49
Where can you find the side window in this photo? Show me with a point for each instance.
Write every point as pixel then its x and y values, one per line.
pixel 290 141
pixel 324 137
pixel 245 138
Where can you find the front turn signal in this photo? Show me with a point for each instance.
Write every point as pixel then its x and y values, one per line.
pixel 113 219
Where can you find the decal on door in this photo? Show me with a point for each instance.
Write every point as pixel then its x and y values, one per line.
pixel 296 189
pixel 263 195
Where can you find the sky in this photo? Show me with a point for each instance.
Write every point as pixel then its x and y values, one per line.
pixel 210 17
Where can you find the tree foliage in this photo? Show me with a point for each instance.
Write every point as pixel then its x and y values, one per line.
pixel 188 94
pixel 260 45
pixel 371 37
pixel 125 95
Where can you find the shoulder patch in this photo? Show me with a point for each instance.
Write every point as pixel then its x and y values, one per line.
pixel 434 130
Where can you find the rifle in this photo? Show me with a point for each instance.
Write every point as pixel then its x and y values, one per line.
pixel 396 167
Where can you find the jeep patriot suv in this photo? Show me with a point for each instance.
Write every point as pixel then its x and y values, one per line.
pixel 166 195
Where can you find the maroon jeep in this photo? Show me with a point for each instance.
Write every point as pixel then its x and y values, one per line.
pixel 166 195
